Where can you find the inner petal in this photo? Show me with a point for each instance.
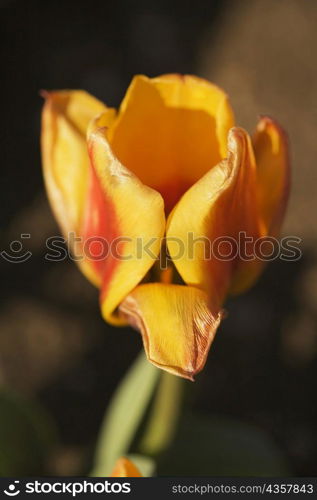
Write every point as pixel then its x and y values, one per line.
pixel 167 132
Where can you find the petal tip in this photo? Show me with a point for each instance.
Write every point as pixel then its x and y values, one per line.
pixel 176 325
pixel 44 93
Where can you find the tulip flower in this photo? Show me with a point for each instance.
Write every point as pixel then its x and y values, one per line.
pixel 169 165
pixel 125 468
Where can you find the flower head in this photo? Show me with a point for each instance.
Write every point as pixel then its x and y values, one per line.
pixel 169 173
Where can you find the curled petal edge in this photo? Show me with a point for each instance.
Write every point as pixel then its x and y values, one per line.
pixel 176 325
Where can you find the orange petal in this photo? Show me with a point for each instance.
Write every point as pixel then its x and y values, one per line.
pixel 125 468
pixel 128 215
pixel 273 172
pixel 176 325
pixel 65 118
pixel 208 219
pixel 171 130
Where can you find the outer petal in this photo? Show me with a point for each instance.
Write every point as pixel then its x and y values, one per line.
pixel 125 468
pixel 171 130
pixel 128 215
pixel 65 118
pixel 66 115
pixel 176 325
pixel 208 219
pixel 273 172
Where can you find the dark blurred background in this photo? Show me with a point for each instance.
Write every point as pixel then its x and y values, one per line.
pixel 58 360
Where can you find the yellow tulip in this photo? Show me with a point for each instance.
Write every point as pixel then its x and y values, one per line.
pixel 125 468
pixel 169 163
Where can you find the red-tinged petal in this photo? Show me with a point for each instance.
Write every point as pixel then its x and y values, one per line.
pixel 170 131
pixel 208 220
pixel 176 325
pixel 65 118
pixel 128 216
pixel 273 172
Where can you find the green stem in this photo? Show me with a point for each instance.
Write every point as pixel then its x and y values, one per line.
pixel 164 415
pixel 124 414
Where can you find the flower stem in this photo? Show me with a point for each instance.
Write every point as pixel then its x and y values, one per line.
pixel 163 416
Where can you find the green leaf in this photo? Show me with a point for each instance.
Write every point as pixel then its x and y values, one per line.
pixel 124 415
pixel 221 446
pixel 27 435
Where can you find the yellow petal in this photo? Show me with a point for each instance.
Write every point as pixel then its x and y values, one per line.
pixel 273 172
pixel 65 118
pixel 125 468
pixel 125 213
pixel 66 115
pixel 176 325
pixel 170 131
pixel 208 219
